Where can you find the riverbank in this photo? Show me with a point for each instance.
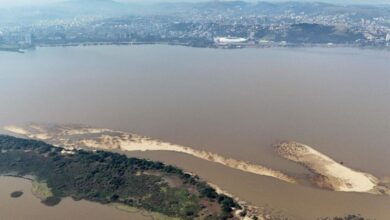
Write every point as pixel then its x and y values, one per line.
pixel 98 138
pixel 112 178
pixel 211 46
pixel 328 174
pixel 29 207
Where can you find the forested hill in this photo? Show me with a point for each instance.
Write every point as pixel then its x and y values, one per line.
pixel 107 177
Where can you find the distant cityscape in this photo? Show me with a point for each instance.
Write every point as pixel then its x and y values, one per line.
pixel 215 24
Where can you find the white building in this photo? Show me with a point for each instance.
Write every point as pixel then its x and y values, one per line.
pixel 230 40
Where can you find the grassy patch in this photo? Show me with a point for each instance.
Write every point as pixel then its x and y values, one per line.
pixel 153 215
pixel 126 208
pixel 159 216
pixel 41 190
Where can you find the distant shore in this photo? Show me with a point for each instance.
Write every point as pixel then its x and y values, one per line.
pixel 210 46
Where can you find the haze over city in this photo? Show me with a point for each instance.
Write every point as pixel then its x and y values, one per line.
pixel 7 3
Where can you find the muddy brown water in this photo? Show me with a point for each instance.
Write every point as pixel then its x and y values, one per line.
pixel 28 206
pixel 233 102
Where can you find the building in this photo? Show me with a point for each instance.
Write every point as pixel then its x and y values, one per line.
pixel 230 40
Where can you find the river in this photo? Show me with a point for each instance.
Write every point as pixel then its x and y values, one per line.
pixel 236 103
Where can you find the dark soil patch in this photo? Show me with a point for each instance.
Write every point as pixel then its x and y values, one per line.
pixel 16 194
pixel 51 201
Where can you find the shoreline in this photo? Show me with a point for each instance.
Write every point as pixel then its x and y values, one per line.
pixel 328 174
pixel 113 205
pixel 132 142
pixel 211 46
pixel 250 209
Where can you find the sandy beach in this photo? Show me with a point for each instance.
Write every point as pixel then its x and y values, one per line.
pixel 327 173
pixel 73 137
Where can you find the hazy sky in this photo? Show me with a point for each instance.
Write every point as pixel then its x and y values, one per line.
pixel 33 2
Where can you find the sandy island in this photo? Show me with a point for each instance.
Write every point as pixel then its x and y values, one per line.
pixel 327 173
pixel 74 136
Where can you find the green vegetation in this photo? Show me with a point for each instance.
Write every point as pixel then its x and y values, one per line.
pixel 106 177
pixel 154 215
pixel 16 194
pixel 41 190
